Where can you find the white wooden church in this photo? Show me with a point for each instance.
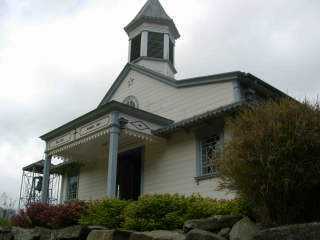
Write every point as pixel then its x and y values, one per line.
pixel 151 133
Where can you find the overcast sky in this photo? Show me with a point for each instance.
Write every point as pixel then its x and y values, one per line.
pixel 59 57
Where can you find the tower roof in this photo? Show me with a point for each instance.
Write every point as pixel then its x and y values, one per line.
pixel 153 12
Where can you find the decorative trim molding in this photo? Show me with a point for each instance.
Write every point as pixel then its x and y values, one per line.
pixel 105 131
pixel 83 140
pixel 102 111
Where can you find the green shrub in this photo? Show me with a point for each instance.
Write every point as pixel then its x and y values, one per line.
pixel 165 211
pixel 205 207
pixel 156 212
pixel 273 160
pixel 4 222
pixel 106 212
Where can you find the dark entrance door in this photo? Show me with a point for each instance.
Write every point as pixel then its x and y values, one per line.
pixel 129 174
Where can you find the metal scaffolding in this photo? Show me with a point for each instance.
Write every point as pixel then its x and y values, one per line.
pixel 31 185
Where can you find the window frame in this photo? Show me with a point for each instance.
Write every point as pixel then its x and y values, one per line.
pixel 68 194
pixel 200 137
pixel 171 51
pixel 151 47
pixel 135 53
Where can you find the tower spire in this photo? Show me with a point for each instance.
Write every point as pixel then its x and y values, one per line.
pixel 152 34
pixel 152 11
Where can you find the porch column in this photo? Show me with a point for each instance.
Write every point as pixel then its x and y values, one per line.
pixel 113 155
pixel 46 179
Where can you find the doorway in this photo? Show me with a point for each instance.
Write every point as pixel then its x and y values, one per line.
pixel 129 174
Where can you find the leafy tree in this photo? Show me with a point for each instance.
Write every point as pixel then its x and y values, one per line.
pixel 273 160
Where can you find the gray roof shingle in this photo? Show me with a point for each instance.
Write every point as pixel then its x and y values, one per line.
pixel 153 8
pixel 199 118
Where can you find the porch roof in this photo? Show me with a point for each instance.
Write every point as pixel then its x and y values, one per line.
pixel 101 111
pixel 37 167
pixel 198 118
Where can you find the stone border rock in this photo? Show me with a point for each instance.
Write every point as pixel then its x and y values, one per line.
pixel 214 228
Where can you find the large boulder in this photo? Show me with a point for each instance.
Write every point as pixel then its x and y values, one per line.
pixel 212 224
pixel 37 233
pixel 245 229
pixel 198 234
pixel 109 235
pixel 6 236
pixel 157 235
pixel 5 233
pixel 97 227
pixel 224 232
pixel 44 233
pixel 25 234
pixel 308 231
pixel 70 233
pixel 5 229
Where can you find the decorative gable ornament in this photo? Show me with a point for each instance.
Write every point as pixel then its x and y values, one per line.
pixel 132 101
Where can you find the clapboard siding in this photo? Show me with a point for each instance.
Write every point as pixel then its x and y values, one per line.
pixel 92 180
pixel 174 103
pixel 171 168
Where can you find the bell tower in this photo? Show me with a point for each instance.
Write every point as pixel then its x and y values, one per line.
pixel 152 36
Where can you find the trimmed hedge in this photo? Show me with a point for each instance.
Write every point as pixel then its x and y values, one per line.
pixel 165 211
pixel 107 212
pixel 150 212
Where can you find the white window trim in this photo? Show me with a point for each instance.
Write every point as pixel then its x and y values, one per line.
pixel 199 175
pixel 67 188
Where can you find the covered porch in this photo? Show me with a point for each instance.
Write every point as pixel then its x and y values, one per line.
pixel 111 140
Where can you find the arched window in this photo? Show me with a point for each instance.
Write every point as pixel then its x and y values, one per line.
pixel 131 101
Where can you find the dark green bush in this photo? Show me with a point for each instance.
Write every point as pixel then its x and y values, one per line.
pixel 273 160
pixel 165 211
pixel 106 212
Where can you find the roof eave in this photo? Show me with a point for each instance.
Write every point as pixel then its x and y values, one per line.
pixel 197 119
pixel 190 82
pixel 255 82
pixel 172 67
pixel 101 111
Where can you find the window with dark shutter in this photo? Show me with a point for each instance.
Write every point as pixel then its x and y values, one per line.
pixel 135 47
pixel 171 52
pixel 155 44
